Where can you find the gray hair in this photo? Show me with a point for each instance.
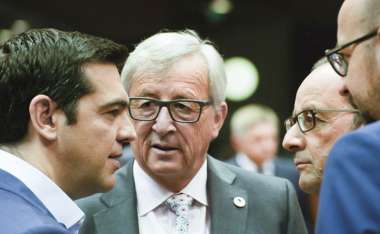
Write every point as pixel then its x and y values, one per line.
pixel 157 54
pixel 247 116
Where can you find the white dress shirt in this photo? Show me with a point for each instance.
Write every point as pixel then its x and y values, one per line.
pixel 154 215
pixel 244 162
pixel 63 209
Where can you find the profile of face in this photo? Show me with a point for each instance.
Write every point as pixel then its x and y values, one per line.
pixel 363 75
pixel 319 90
pixel 172 152
pixel 88 149
pixel 259 142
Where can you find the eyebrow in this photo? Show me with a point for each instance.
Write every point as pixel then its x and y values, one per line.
pixel 308 107
pixel 120 103
pixel 146 92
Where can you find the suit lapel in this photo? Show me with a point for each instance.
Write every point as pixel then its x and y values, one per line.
pixel 226 218
pixel 121 216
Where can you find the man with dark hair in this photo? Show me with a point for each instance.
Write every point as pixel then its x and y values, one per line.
pixel 64 121
pixel 349 200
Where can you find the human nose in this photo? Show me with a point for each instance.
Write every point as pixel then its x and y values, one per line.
pixel 164 122
pixel 294 140
pixel 126 132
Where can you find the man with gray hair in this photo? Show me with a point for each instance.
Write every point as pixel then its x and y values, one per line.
pixel 254 136
pixel 176 83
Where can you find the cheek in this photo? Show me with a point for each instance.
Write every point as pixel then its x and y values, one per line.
pixel 140 145
pixel 194 139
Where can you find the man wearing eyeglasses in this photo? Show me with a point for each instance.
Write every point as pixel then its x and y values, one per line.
pixel 320 116
pixel 176 84
pixel 350 193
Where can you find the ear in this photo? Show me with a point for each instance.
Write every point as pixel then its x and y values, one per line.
pixel 220 116
pixel 41 110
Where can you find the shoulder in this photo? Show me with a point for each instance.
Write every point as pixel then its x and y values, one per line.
pixel 354 157
pixel 250 180
pixel 266 196
pixel 18 215
pixel 368 135
pixel 363 142
pixel 96 202
pixel 91 204
pixel 232 161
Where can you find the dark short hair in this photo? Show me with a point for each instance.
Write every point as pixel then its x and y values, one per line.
pixel 49 62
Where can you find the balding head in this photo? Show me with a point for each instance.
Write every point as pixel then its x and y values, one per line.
pixel 356 19
pixel 319 92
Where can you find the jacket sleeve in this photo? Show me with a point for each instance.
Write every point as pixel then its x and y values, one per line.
pixel 349 198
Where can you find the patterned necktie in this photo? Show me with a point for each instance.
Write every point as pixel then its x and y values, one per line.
pixel 180 204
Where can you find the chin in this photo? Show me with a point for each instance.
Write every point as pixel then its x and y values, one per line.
pixel 107 184
pixel 309 187
pixel 167 170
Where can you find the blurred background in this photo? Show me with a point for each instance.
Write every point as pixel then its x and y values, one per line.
pixel 269 45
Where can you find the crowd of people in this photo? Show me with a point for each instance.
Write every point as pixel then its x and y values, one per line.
pixel 71 102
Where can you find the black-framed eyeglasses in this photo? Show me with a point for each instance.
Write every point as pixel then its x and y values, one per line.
pixel 180 110
pixel 306 119
pixel 338 60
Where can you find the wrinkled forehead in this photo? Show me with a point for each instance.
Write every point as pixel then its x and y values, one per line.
pixel 188 74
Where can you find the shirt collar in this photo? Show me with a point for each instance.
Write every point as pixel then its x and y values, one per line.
pixel 150 194
pixel 244 162
pixel 62 207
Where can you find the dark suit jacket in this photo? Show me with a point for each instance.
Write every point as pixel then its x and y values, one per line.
pixel 21 212
pixel 350 193
pixel 285 169
pixel 271 208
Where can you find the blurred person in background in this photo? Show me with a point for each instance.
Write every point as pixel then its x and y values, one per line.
pixel 176 83
pixel 255 138
pixel 64 120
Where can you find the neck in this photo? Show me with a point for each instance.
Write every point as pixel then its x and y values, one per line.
pixel 12 149
pixel 32 154
pixel 257 162
pixel 172 183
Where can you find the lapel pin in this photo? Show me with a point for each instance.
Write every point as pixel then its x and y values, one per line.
pixel 239 202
